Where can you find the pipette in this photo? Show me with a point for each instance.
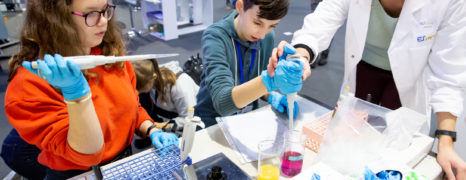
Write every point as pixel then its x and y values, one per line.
pixel 290 98
pixel 91 61
pixel 190 124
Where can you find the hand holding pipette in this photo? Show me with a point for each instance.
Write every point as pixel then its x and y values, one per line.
pixel 288 49
pixel 287 57
pixel 287 78
pixel 64 72
pixel 61 74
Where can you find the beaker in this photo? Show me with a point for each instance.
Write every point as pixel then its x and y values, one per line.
pixel 268 165
pixel 292 159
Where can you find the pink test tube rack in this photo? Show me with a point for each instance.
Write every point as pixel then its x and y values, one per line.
pixel 315 131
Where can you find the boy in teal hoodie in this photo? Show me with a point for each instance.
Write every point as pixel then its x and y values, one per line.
pixel 236 51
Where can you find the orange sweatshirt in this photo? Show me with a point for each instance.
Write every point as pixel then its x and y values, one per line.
pixel 40 115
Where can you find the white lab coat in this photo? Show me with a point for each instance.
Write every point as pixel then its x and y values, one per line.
pixel 427 52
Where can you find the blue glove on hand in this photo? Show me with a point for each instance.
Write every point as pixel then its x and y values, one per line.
pixel 62 74
pixel 288 77
pixel 288 49
pixel 161 139
pixel 280 103
pixel 288 74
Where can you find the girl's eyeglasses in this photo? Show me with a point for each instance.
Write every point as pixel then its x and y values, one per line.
pixel 92 18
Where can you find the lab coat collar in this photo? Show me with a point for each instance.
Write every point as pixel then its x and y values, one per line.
pixel 408 21
pixel 413 6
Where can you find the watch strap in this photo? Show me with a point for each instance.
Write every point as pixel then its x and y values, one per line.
pixel 149 128
pixel 446 132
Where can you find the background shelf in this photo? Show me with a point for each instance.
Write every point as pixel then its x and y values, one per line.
pixel 177 17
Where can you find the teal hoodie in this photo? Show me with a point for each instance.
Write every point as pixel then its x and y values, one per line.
pixel 221 69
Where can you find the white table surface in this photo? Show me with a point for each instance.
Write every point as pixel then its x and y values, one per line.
pixel 210 141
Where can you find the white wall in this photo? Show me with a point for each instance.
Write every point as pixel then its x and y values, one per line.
pixel 460 145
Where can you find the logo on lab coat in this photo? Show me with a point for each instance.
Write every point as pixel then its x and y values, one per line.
pixel 424 38
pixel 425 31
pixel 427 24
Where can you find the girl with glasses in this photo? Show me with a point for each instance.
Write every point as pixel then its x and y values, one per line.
pixel 76 118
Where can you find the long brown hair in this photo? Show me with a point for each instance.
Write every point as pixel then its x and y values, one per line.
pixel 145 70
pixel 49 29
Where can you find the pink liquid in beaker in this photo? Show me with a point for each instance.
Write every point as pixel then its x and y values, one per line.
pixel 292 163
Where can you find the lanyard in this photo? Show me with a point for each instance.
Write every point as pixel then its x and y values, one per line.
pixel 238 49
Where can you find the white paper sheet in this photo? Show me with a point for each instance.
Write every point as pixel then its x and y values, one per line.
pixel 244 132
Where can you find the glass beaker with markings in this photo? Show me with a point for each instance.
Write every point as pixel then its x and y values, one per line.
pixel 269 161
pixel 292 159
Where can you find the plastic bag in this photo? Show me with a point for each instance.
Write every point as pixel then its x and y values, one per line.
pixel 351 141
pixel 403 123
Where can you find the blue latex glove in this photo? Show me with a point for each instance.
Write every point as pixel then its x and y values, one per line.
pixel 287 78
pixel 279 102
pixel 288 74
pixel 161 139
pixel 287 49
pixel 62 74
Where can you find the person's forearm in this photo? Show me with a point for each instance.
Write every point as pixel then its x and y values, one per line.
pixel 446 121
pixel 248 92
pixel 84 133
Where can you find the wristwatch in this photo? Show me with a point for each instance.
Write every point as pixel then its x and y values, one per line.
pixel 445 132
pixel 149 128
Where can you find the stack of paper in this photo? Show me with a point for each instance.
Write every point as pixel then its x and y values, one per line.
pixel 244 132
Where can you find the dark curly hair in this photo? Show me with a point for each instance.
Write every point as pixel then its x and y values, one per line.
pixel 269 9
